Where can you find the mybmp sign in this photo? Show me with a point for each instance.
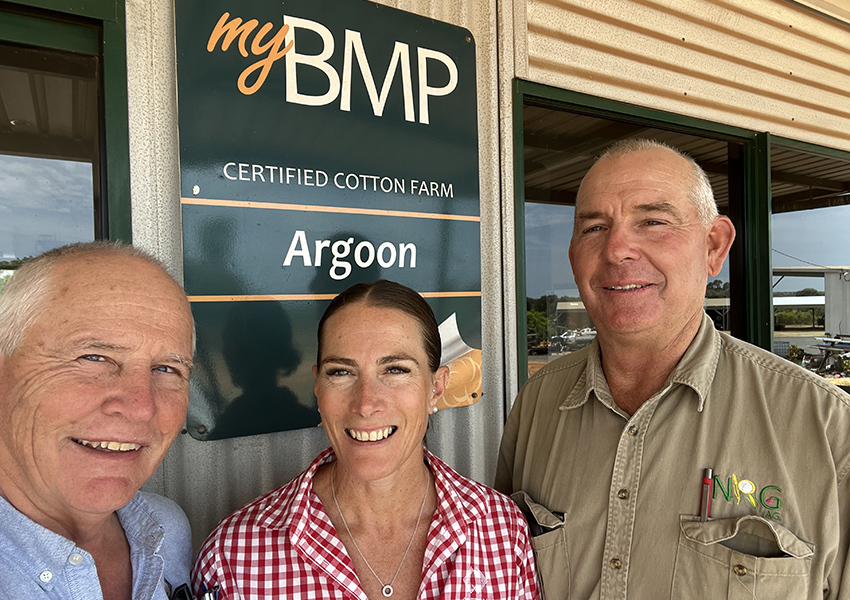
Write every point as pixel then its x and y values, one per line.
pixel 322 143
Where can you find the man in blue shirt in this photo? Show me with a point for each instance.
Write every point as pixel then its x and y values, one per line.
pixel 96 344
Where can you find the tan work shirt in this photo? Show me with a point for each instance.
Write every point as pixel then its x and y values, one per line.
pixel 615 500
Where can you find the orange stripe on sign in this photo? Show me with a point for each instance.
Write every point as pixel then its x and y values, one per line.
pixel 328 209
pixel 287 297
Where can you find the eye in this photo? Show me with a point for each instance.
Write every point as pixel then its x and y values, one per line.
pixel 592 229
pixel 93 358
pixel 337 372
pixel 165 369
pixel 397 370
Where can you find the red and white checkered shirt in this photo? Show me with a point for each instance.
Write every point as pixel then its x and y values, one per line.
pixel 283 545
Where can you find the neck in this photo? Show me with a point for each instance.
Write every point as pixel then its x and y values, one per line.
pixel 636 369
pixel 81 528
pixel 380 501
pixel 101 535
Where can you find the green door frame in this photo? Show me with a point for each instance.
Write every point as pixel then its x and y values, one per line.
pixel 754 228
pixel 90 27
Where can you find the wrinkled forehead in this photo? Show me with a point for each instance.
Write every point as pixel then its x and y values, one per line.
pixel 650 171
pixel 97 287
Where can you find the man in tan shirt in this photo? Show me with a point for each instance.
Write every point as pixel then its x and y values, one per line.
pixel 605 449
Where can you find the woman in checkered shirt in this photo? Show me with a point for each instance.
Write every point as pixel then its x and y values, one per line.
pixel 375 515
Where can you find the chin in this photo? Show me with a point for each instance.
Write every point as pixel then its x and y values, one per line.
pixel 105 495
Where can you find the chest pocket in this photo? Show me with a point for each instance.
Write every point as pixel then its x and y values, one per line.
pixel 549 541
pixel 742 557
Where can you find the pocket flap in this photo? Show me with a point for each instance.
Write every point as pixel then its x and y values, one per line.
pixel 747 528
pixel 539 513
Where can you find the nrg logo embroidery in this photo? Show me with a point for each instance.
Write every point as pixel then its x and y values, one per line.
pixel 736 490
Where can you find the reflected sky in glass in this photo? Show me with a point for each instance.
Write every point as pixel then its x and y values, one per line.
pixel 807 238
pixel 44 203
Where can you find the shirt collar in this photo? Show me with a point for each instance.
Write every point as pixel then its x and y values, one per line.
pixel 696 370
pixel 39 550
pixel 289 505
pixel 140 524
pixel 458 504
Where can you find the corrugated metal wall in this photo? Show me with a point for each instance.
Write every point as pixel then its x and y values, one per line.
pixel 210 479
pixel 766 65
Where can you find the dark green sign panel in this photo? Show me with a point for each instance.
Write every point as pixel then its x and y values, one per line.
pixel 322 143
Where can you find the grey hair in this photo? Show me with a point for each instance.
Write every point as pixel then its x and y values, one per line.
pixel 700 193
pixel 28 289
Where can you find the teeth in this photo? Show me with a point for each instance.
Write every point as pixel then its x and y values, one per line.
pixel 371 436
pixel 631 286
pixel 113 446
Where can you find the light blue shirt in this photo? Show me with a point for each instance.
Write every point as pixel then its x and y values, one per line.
pixel 36 563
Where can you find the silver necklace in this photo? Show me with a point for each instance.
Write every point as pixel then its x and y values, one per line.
pixel 386 588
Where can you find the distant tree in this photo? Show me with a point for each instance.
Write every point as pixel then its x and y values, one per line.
pixel 717 289
pixel 544 304
pixel 538 324
pixel 4 277
pixel 808 292
pixel 13 264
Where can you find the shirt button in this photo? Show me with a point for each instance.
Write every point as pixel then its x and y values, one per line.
pixel 45 576
pixel 75 559
pixel 632 430
pixel 616 564
pixel 623 494
pixel 739 570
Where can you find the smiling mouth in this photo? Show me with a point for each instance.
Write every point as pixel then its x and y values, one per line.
pixel 631 286
pixel 112 446
pixel 371 436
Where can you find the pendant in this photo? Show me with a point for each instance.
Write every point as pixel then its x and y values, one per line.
pixel 387 591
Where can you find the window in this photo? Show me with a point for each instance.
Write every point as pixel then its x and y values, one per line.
pixel 559 143
pixel 56 86
pixel 49 154
pixel 810 249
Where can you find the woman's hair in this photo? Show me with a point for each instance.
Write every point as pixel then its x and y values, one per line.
pixel 389 294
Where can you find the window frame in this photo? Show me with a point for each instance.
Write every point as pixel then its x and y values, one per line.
pixel 752 295
pixel 94 27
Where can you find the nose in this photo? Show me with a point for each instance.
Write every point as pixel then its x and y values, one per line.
pixel 132 396
pixel 621 244
pixel 367 399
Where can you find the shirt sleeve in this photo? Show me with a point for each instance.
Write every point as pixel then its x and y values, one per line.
pixel 507 452
pixel 838 579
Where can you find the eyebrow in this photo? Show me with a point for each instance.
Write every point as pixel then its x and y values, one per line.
pixel 649 207
pixel 397 358
pixel 383 361
pixel 665 207
pixel 96 344
pixel 186 362
pixel 339 360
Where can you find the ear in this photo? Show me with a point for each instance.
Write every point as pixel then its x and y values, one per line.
pixel 439 382
pixel 315 378
pixel 719 240
pixel 570 254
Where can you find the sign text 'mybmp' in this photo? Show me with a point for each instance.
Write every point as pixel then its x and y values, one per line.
pixel 272 47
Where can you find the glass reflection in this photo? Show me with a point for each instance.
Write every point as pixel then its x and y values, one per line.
pixel 44 203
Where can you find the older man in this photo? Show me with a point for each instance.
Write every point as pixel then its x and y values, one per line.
pixel 607 449
pixel 95 353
